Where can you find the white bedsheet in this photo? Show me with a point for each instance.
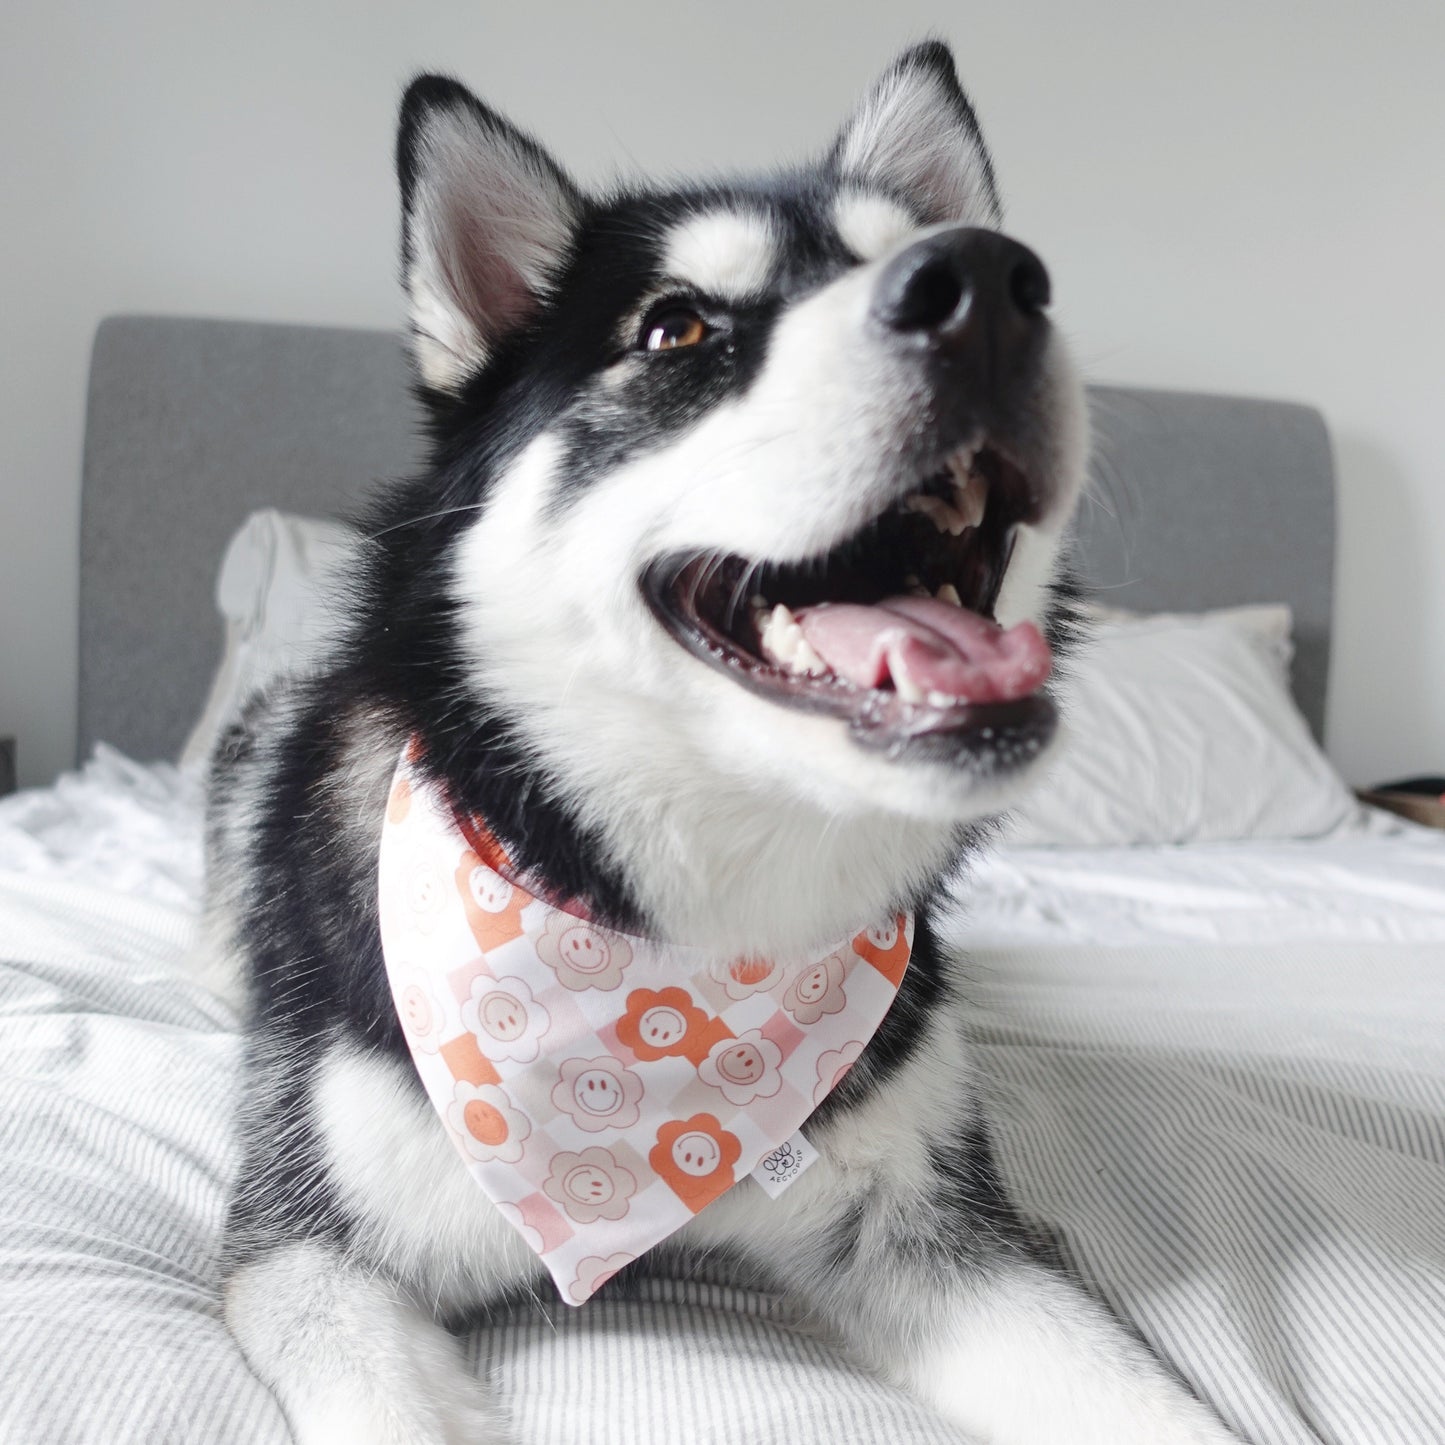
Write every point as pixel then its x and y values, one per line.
pixel 1219 1076
pixel 1384 882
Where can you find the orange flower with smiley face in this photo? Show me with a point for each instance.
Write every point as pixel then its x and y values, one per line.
pixel 493 906
pixel 665 1022
pixel 694 1158
pixel 886 947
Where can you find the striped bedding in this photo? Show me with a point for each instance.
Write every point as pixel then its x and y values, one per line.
pixel 1231 1115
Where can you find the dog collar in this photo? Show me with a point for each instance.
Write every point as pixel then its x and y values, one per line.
pixel 602 1089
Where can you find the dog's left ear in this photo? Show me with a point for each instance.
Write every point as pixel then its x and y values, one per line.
pixel 916 134
pixel 487 219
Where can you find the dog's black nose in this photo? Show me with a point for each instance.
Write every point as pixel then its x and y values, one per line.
pixel 966 290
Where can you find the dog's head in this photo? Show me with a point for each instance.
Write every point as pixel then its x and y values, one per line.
pixel 761 483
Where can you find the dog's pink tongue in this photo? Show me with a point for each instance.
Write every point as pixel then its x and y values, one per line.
pixel 926 647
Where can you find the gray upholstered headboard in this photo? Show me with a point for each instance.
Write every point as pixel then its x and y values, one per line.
pixel 190 426
pixel 1201 501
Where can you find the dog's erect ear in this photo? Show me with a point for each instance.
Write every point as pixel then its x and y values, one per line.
pixel 487 217
pixel 916 134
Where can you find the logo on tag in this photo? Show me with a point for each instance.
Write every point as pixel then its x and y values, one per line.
pixel 777 1170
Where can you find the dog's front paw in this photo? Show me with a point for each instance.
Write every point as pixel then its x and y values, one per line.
pixel 351 1362
pixel 427 1411
pixel 424 1396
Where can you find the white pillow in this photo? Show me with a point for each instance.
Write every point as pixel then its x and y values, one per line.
pixel 1181 729
pixel 278 593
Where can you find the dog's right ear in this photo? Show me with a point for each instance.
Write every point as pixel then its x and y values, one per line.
pixel 487 219
pixel 915 133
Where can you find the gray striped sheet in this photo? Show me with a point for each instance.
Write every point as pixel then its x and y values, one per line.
pixel 1243 1148
pixel 1266 1129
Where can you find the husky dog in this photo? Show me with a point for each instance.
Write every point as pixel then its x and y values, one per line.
pixel 724 601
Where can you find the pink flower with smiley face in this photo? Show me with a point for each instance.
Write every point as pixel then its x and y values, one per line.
pixel 832 1065
pixel 508 1022
pixel 744 1068
pixel 421 1011
pixel 513 1216
pixel 818 990
pixel 598 1094
pixel 582 955
pixel 594 1271
pixel 741 977
pixel 591 1185
pixel 425 894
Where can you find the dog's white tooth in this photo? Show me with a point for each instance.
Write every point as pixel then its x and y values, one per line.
pixel 970 500
pixel 941 699
pixel 903 685
pixel 949 593
pixel 780 634
pixel 805 660
pixel 906 688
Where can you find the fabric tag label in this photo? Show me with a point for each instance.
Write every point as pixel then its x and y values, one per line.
pixel 778 1169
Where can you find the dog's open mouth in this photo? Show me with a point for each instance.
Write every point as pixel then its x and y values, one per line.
pixel 893 629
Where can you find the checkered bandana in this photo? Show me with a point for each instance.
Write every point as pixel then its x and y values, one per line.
pixel 603 1089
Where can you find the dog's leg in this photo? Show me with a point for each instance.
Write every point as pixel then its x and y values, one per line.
pixel 352 1228
pixel 901 1242
pixel 1022 1356
pixel 1002 1345
pixel 350 1359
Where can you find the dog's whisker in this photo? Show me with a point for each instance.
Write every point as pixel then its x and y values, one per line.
pixel 417 521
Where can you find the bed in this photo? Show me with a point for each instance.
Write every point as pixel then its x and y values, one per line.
pixel 1216 1055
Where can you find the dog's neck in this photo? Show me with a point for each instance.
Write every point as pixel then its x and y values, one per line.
pixel 739 873
pixel 732 869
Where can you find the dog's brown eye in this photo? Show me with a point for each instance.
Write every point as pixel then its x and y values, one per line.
pixel 668 330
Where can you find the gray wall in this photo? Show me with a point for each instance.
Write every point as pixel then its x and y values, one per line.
pixel 1247 200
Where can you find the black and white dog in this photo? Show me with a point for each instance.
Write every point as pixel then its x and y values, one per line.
pixel 669 426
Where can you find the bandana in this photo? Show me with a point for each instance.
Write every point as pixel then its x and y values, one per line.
pixel 603 1089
